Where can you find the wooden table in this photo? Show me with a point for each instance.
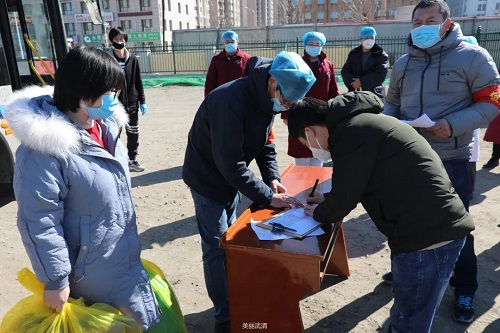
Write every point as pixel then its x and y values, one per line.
pixel 267 279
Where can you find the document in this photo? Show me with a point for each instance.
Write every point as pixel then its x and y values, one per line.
pixel 422 121
pixel 267 235
pixel 292 222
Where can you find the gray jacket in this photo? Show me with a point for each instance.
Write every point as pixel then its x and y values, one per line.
pixel 440 81
pixel 75 210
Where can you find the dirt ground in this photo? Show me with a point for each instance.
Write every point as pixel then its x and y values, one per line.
pixel 169 237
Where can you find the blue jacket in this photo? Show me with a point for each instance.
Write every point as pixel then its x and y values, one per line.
pixel 75 210
pixel 230 130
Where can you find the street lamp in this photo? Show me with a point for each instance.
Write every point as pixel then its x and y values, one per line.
pixel 254 15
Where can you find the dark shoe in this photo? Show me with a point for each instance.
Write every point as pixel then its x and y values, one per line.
pixel 492 163
pixel 463 311
pixel 387 278
pixel 222 327
pixel 135 166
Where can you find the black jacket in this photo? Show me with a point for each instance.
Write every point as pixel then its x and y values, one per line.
pixel 372 75
pixel 392 170
pixel 230 130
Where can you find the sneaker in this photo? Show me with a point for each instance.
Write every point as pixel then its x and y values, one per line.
pixel 135 166
pixel 492 163
pixel 387 278
pixel 222 327
pixel 463 311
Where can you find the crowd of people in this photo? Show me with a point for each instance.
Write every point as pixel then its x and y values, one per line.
pixel 72 173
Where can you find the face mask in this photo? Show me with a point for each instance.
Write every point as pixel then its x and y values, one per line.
pixel 277 107
pixel 118 45
pixel 109 103
pixel 368 43
pixel 319 153
pixel 426 36
pixel 313 51
pixel 230 48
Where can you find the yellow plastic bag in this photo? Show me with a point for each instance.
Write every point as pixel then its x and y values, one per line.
pixel 31 315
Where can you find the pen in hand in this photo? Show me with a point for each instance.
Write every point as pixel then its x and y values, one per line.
pixel 314 188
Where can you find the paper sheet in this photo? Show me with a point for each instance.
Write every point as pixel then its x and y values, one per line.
pixel 422 121
pixel 266 234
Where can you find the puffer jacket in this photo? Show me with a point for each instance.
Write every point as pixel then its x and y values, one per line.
pixel 441 81
pixel 75 211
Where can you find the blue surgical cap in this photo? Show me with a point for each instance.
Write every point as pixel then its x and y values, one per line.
pixel 367 32
pixel 471 40
pixel 294 76
pixel 314 36
pixel 230 34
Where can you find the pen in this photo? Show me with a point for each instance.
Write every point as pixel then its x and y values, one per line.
pixel 281 227
pixel 314 188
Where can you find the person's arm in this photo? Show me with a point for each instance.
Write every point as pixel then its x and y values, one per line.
pixel 392 105
pixel 347 72
pixel 141 97
pixel 211 79
pixel 376 76
pixel 267 162
pixel 333 90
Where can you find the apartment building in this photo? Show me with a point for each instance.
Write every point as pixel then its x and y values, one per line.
pixel 482 8
pixel 224 13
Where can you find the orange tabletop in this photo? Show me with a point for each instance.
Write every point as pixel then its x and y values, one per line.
pixel 267 279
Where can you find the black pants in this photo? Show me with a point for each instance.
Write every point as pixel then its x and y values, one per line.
pixel 133 135
pixel 496 151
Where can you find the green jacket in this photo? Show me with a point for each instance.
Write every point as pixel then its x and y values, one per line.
pixel 392 170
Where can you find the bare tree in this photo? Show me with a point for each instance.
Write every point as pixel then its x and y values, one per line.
pixel 290 11
pixel 358 10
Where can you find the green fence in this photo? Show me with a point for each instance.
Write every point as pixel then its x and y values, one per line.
pixel 195 58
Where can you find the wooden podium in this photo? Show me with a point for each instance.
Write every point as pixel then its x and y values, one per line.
pixel 267 279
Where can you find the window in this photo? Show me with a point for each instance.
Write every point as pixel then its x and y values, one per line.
pixel 187 10
pixel 391 12
pixel 347 13
pixel 334 1
pixel 307 2
pixel 126 25
pixel 105 4
pixel 170 25
pixel 180 25
pixel 70 28
pixel 307 15
pixel 497 6
pixel 179 7
pixel 484 7
pixel 66 8
pixel 334 14
pixel 145 5
pixel 147 25
pixel 169 6
pixel 83 7
pixel 123 6
pixel 187 25
pixel 88 28
pixel 321 15
pixel 321 2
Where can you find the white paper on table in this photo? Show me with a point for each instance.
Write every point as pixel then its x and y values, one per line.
pixel 422 121
pixel 266 234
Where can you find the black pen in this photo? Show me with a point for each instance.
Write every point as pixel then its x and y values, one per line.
pixel 314 188
pixel 281 227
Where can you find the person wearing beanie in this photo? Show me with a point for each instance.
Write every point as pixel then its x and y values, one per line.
pixel 229 131
pixel 228 65
pixel 324 88
pixel 389 168
pixel 367 65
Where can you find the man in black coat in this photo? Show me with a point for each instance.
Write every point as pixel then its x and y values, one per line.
pixel 366 65
pixel 390 169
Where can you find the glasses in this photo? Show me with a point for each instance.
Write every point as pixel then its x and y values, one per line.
pixel 115 93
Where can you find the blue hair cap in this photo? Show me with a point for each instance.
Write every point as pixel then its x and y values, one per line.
pixel 367 32
pixel 471 40
pixel 294 76
pixel 314 36
pixel 230 35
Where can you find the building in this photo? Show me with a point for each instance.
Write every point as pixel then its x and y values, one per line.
pixel 224 13
pixel 482 8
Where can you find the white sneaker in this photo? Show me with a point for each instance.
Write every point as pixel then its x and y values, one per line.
pixel 134 166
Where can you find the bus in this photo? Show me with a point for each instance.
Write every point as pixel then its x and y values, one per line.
pixel 32 43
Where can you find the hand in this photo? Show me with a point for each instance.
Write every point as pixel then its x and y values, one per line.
pixel 309 209
pixel 317 198
pixel 56 299
pixel 285 121
pixel 277 187
pixel 284 200
pixel 356 83
pixel 144 108
pixel 441 128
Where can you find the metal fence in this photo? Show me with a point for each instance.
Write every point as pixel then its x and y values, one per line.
pixel 195 58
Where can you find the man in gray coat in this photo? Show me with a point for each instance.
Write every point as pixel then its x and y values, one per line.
pixel 453 83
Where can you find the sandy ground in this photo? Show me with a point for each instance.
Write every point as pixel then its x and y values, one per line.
pixel 169 237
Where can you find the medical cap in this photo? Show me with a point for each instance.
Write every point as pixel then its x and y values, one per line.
pixel 471 40
pixel 367 32
pixel 314 36
pixel 228 35
pixel 294 76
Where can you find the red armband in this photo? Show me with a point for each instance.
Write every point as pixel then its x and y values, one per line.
pixel 489 94
pixel 270 138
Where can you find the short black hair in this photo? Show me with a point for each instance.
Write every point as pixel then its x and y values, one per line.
pixel 117 31
pixel 85 73
pixel 444 9
pixel 306 112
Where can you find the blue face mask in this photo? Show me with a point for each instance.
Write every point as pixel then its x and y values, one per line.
pixel 426 36
pixel 313 51
pixel 277 107
pixel 231 48
pixel 109 103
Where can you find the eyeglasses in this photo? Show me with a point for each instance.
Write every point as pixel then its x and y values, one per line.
pixel 115 93
pixel 286 103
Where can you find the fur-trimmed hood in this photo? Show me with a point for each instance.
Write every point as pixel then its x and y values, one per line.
pixel 38 124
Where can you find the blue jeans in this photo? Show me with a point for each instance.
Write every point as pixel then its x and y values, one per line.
pixel 213 220
pixel 420 280
pixel 464 279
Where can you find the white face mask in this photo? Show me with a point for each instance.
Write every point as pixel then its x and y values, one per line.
pixel 368 43
pixel 319 153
